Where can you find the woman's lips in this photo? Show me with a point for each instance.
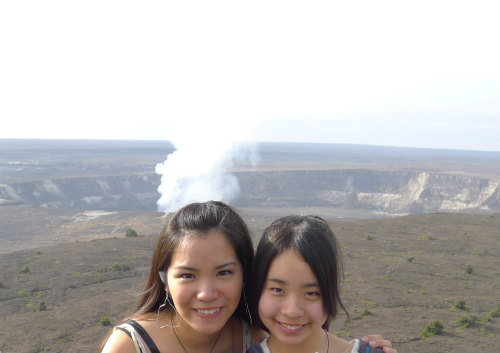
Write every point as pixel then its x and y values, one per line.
pixel 291 328
pixel 208 312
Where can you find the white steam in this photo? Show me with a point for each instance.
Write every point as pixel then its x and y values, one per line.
pixel 199 169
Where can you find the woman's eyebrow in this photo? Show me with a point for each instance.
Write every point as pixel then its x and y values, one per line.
pixel 306 285
pixel 226 264
pixel 184 268
pixel 311 285
pixel 276 280
pixel 188 268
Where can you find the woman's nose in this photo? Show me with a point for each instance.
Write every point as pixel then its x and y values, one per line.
pixel 292 307
pixel 207 291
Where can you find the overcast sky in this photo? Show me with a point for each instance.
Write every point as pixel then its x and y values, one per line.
pixel 397 73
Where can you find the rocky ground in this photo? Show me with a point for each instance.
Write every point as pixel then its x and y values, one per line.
pixel 400 274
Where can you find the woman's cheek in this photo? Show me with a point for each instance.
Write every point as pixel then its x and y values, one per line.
pixel 234 291
pixel 267 307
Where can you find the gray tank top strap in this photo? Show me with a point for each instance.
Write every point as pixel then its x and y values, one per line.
pixel 247 336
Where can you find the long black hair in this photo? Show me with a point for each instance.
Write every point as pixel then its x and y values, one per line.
pixel 314 240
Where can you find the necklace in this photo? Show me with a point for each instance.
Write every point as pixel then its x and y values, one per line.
pixel 211 349
pixel 328 342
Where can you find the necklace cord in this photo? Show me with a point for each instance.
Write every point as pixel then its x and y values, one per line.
pixel 184 348
pixel 328 342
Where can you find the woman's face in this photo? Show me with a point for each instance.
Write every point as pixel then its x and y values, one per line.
pixel 290 305
pixel 205 280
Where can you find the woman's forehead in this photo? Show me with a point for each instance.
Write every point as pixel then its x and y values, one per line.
pixel 209 248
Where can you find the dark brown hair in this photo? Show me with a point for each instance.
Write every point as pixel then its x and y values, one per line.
pixel 200 219
pixel 196 218
pixel 314 240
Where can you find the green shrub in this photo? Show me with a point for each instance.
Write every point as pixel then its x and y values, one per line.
pixel 130 233
pixel 366 312
pixel 114 268
pixel 104 321
pixel 41 306
pixel 5 347
pixel 2 286
pixel 467 321
pixel 493 313
pixel 63 337
pixel 460 305
pixel 431 329
pixel 410 259
pixel 26 270
pixel 496 311
pixel 118 268
pixel 469 269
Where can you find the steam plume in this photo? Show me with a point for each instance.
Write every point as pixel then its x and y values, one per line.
pixel 199 169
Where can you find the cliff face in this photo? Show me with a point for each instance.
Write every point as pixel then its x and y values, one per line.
pixel 116 193
pixel 385 191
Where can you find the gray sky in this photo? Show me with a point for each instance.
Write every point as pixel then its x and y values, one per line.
pixel 398 73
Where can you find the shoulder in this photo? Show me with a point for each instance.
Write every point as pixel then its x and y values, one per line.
pixel 343 345
pixel 355 345
pixel 258 334
pixel 255 348
pixel 259 347
pixel 119 341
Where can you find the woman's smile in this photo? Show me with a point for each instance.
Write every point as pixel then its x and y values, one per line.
pixel 290 305
pixel 205 280
pixel 209 313
pixel 291 328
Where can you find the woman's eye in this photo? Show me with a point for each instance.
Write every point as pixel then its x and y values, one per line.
pixel 224 273
pixel 312 294
pixel 186 276
pixel 277 290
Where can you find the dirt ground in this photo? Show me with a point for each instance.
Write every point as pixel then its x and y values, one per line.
pixel 400 274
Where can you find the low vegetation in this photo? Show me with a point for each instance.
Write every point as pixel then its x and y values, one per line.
pixel 115 268
pixel 383 292
pixel 460 305
pixel 467 320
pixel 432 329
pixel 469 269
pixel 366 312
pixel 105 321
pixel 130 233
pixel 493 313
pixel 42 306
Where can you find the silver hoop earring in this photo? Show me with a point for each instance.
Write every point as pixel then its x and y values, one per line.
pixel 246 306
pixel 171 305
pixel 163 305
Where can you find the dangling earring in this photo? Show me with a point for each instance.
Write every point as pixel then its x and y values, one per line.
pixel 170 303
pixel 163 305
pixel 246 305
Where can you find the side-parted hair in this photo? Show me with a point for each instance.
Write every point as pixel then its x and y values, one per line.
pixel 199 219
pixel 314 240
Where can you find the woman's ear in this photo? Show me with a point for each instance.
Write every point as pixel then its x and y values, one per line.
pixel 162 276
